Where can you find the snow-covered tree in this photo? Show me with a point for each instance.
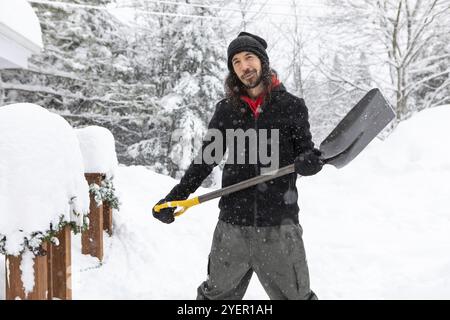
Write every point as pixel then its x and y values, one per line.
pixel 188 56
pixel 402 40
pixel 295 37
pixel 432 84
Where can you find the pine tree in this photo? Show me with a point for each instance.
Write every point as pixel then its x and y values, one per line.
pixel 189 65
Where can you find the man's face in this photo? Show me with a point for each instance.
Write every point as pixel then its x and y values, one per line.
pixel 247 67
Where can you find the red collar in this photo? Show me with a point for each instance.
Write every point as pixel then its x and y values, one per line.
pixel 254 104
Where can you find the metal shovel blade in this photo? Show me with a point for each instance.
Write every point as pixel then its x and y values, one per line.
pixel 355 131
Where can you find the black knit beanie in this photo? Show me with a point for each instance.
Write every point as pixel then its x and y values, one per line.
pixel 247 42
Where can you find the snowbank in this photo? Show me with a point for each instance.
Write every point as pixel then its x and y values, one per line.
pixel 98 149
pixel 41 174
pixel 416 144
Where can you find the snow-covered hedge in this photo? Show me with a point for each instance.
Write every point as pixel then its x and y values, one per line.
pixel 99 155
pixel 42 183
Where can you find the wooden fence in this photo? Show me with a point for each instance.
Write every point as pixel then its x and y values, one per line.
pixel 52 270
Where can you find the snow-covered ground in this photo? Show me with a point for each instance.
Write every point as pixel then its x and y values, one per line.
pixel 376 229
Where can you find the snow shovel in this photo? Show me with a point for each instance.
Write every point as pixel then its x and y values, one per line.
pixel 355 131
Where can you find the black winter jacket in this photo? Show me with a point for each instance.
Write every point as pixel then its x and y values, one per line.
pixel 271 203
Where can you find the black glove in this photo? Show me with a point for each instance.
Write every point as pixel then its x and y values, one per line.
pixel 309 162
pixel 164 215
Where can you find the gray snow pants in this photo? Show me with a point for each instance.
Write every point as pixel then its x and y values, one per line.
pixel 276 254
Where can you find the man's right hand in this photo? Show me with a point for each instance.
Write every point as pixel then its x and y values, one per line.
pixel 165 215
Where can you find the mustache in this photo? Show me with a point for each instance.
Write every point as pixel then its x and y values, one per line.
pixel 247 72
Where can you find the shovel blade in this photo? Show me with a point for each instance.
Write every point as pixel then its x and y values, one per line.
pixel 355 131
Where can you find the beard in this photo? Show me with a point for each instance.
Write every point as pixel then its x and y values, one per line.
pixel 252 82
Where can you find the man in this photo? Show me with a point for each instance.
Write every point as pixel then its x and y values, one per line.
pixel 258 228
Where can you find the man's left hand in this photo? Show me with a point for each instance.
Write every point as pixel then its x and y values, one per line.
pixel 309 163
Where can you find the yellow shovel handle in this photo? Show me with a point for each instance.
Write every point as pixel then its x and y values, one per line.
pixel 185 204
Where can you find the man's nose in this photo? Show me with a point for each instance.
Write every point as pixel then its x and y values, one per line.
pixel 245 66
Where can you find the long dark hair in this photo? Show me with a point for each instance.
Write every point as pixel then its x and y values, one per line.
pixel 234 88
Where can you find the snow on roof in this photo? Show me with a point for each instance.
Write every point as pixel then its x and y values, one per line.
pixel 41 170
pixel 19 22
pixel 98 148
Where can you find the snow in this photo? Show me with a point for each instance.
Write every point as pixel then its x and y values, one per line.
pixel 41 170
pixel 19 16
pixel 27 269
pixel 376 229
pixel 98 150
pixel 172 102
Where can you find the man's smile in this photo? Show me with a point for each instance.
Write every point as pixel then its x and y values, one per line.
pixel 249 75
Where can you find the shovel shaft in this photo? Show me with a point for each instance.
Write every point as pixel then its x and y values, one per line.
pixel 186 204
pixel 247 183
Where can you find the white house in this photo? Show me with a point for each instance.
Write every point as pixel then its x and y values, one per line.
pixel 20 33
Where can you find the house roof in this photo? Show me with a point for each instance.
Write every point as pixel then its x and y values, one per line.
pixel 19 23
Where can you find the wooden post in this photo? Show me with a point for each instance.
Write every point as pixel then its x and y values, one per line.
pixel 107 218
pixel 49 271
pixel 60 267
pixel 14 284
pixel 92 239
